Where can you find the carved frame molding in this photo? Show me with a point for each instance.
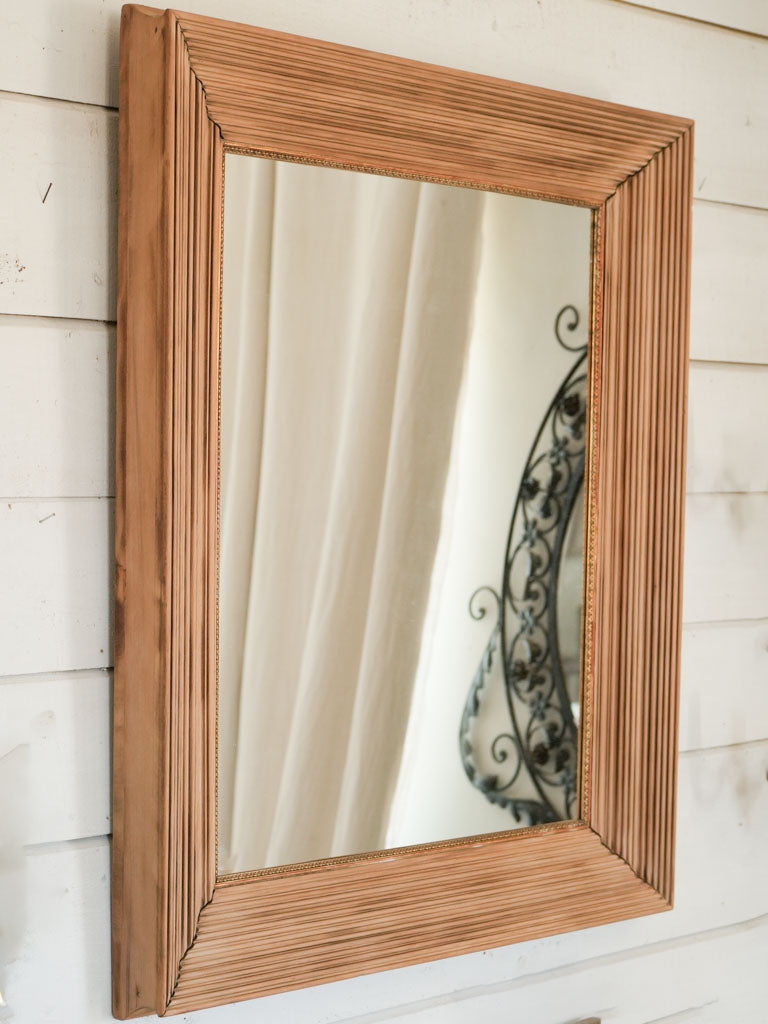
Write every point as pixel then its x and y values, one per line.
pixel 192 88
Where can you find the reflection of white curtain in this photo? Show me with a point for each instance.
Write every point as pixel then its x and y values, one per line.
pixel 347 308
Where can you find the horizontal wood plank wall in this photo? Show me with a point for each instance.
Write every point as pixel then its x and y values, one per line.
pixel 67 448
pixel 55 428
pixel 744 15
pixel 60 181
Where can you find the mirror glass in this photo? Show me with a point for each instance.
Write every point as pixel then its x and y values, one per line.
pixel 403 420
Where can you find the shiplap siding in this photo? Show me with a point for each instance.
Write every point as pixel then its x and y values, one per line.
pixel 704 961
pixel 56 408
pixel 743 15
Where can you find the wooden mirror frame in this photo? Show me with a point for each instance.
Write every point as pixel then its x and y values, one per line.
pixel 192 88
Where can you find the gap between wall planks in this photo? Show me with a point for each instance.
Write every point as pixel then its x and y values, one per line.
pixel 190 87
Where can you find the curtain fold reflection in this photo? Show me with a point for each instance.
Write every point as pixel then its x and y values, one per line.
pixel 348 302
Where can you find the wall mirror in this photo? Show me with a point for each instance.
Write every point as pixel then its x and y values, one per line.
pixel 401 424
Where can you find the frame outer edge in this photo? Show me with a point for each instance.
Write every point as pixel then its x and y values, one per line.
pixel 687 144
pixel 142 629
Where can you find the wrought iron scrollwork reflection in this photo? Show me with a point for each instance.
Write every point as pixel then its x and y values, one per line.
pixel 541 742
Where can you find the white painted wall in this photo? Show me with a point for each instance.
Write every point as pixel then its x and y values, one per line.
pixel 705 961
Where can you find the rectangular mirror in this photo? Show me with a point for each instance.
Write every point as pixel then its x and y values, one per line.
pixel 401 393
pixel 403 430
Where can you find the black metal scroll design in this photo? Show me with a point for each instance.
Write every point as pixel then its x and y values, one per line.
pixel 542 741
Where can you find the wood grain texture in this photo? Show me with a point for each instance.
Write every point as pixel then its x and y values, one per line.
pixel 141 793
pixel 641 492
pixel 191 88
pixel 273 933
pixel 306 99
pixel 167 453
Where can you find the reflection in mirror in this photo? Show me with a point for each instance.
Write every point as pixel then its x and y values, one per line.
pixel 537 623
pixel 401 467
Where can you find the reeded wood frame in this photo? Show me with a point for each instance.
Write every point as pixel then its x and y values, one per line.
pixel 191 88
